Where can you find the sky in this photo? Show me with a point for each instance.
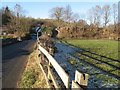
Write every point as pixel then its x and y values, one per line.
pixel 37 9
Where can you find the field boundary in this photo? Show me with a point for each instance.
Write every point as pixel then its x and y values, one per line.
pixel 81 79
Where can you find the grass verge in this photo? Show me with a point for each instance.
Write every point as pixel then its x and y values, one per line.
pixel 32 76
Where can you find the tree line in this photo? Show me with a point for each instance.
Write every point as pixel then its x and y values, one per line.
pixel 63 19
pixel 15 20
pixel 76 27
pixel 19 25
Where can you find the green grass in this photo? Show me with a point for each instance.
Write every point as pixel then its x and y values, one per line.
pixel 102 54
pixel 4 36
pixel 32 76
pixel 71 61
pixel 96 49
pixel 108 48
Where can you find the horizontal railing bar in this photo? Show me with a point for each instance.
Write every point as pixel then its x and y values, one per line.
pixel 63 75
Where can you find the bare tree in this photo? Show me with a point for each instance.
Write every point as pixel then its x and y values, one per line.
pixel 57 13
pixel 96 15
pixel 68 14
pixel 106 14
pixel 17 21
pixel 18 12
pixel 75 17
pixel 90 16
pixel 115 14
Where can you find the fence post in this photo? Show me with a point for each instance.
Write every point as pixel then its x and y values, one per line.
pixel 39 52
pixel 75 85
pixel 48 72
pixel 81 78
pixel 39 56
pixel 50 51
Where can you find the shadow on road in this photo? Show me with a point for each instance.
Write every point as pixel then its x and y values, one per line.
pixel 14 59
pixel 17 53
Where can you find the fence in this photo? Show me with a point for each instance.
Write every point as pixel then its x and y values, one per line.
pixel 50 67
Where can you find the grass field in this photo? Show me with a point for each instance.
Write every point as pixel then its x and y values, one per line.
pixel 102 54
pixel 108 48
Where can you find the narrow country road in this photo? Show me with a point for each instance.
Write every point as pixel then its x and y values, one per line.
pixel 14 58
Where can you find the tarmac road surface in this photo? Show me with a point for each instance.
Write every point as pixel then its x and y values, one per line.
pixel 14 59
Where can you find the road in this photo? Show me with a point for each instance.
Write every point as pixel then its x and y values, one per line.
pixel 14 59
